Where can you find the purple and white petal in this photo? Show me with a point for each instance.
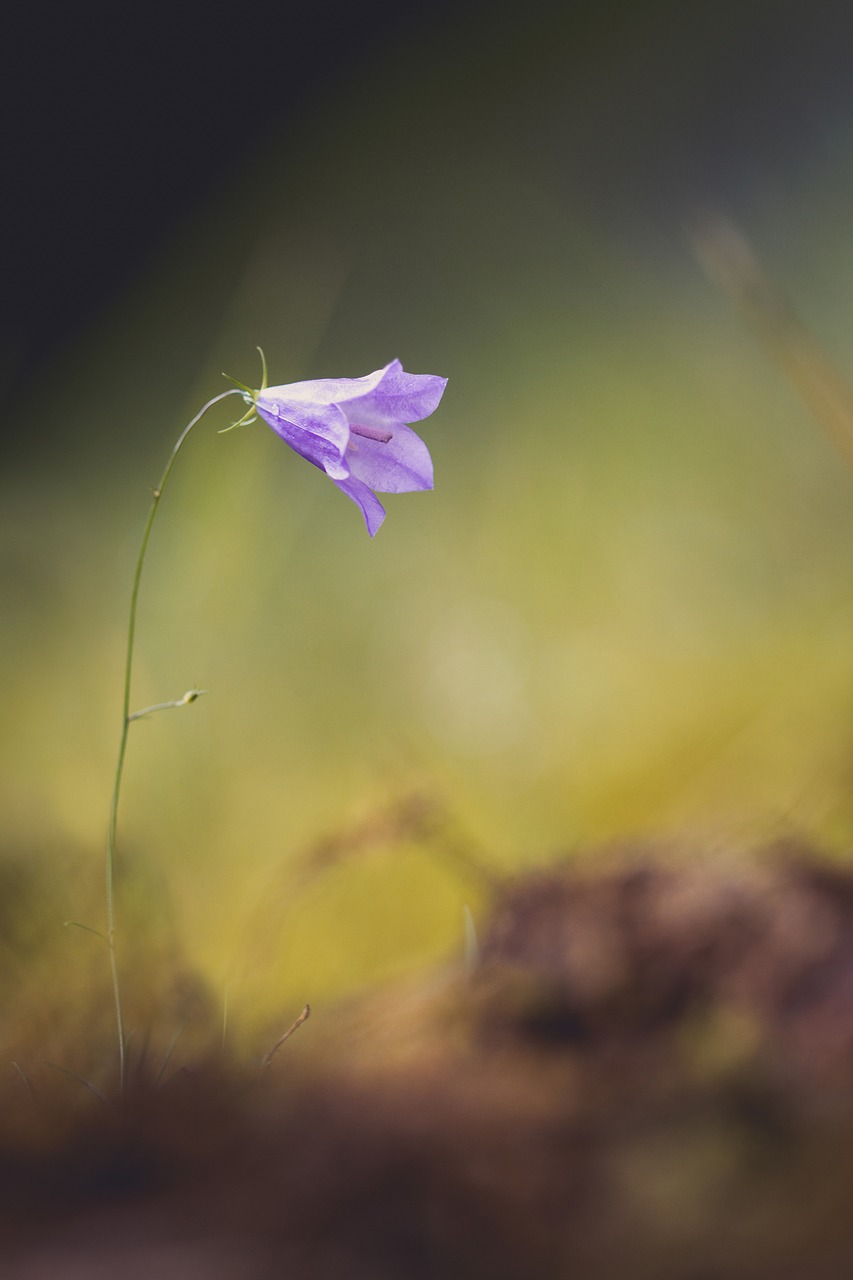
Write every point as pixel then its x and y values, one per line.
pixel 397 397
pixel 399 465
pixel 321 391
pixel 318 432
pixel 371 508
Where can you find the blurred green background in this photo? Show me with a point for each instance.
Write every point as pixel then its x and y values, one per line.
pixel 625 611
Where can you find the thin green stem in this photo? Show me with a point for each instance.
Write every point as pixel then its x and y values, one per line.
pixel 126 719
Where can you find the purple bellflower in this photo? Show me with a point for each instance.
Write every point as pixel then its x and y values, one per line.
pixel 355 429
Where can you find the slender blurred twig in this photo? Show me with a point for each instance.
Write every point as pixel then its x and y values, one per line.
pixel 294 1026
pixel 727 258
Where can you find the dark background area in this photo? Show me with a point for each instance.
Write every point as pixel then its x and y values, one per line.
pixel 118 122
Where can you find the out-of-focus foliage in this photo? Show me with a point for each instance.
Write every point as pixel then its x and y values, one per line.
pixel 626 608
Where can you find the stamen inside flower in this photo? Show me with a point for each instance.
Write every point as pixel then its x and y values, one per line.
pixel 371 433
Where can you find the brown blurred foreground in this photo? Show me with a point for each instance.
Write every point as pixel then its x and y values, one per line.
pixel 648 1073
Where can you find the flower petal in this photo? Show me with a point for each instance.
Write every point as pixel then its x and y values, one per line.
pixel 371 508
pixel 397 397
pixel 399 465
pixel 319 432
pixel 328 390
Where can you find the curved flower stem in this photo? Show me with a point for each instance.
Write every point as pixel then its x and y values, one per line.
pixel 126 719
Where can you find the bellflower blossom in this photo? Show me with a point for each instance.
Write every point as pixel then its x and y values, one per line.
pixel 355 429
